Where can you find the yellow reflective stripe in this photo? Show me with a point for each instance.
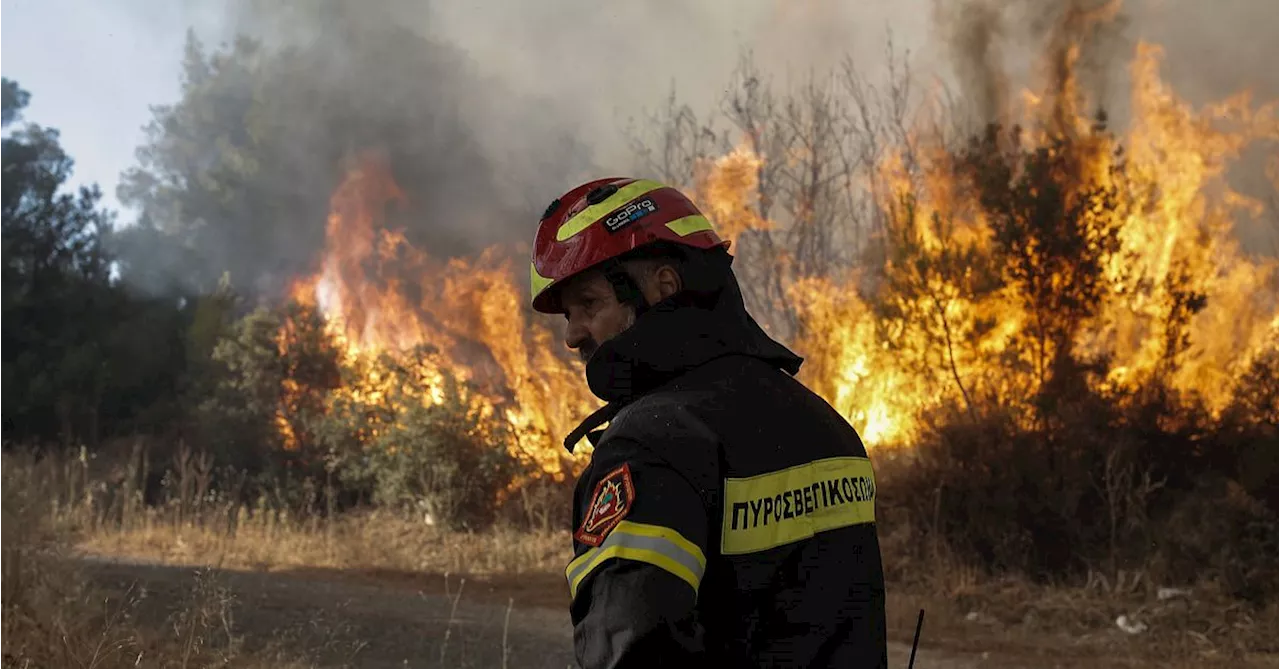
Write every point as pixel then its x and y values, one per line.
pixel 769 510
pixel 689 224
pixel 660 532
pixel 652 544
pixel 537 282
pixel 583 219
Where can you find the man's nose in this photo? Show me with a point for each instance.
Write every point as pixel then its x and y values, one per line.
pixel 575 335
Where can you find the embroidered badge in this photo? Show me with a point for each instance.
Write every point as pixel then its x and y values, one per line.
pixel 610 503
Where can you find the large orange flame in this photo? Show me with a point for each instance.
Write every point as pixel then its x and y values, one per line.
pixel 381 297
pixel 1176 246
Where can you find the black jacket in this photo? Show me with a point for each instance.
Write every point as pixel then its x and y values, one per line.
pixel 727 515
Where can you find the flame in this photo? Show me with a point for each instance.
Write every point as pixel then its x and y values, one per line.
pixel 727 188
pixel 386 304
pixel 1176 260
pixel 882 349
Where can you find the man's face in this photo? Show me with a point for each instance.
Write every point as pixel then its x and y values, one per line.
pixel 593 313
pixel 592 308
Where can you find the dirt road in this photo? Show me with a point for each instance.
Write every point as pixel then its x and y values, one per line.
pixel 371 620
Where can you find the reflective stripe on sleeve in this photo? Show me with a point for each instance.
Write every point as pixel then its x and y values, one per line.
pixel 659 546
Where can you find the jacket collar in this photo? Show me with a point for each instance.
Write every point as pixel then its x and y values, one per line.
pixel 670 339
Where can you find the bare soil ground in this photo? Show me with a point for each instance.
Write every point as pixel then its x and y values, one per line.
pixel 382 620
pixel 973 618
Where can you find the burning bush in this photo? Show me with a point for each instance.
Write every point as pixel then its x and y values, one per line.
pixel 396 377
pixel 1063 422
pixel 254 395
pixel 448 459
pixel 390 429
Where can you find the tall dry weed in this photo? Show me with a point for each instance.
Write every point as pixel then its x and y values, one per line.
pixel 54 616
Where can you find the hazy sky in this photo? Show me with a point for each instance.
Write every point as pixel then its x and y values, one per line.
pixel 94 67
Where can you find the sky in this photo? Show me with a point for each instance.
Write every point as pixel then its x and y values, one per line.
pixel 93 69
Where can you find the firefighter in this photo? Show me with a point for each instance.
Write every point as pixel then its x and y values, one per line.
pixel 727 516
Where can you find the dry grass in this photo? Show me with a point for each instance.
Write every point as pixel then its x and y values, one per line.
pixel 271 540
pixel 54 617
pixel 967 609
pixel 970 610
pixel 101 506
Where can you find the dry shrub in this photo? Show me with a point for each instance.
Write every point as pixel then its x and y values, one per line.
pixel 1008 499
pixel 540 504
pixel 1245 448
pixel 1218 532
pixel 1144 484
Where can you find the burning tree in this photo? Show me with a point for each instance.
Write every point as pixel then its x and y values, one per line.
pixel 1052 318
pixel 1016 265
pixel 919 259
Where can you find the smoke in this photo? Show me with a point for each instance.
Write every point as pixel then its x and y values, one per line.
pixel 1214 50
pixel 487 110
pixel 995 47
pixel 1080 50
pixel 974 34
pixel 1071 50
pixel 585 68
pixel 485 114
pixel 541 76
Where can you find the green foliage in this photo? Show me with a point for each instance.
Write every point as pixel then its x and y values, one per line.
pixel 235 421
pixel 236 176
pixel 83 358
pixel 269 367
pixel 200 184
pixel 446 459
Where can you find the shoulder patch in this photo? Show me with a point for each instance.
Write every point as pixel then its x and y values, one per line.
pixel 610 503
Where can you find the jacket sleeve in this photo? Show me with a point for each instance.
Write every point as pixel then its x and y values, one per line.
pixel 639 561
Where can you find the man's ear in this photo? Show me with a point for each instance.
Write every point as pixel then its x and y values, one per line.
pixel 666 282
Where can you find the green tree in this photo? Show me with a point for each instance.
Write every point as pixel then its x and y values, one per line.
pixel 266 378
pixel 237 175
pixel 83 358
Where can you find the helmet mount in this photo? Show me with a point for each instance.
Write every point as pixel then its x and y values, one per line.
pixel 601 223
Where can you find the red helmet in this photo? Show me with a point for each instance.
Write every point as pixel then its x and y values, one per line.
pixel 607 218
